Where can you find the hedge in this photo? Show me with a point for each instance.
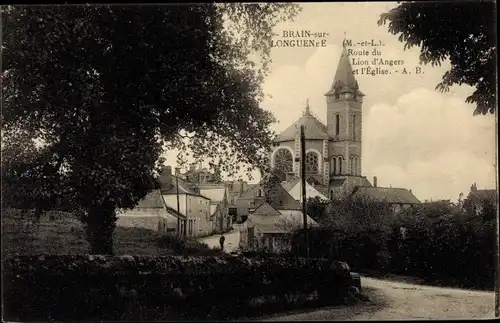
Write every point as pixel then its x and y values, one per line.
pixel 161 288
pixel 443 249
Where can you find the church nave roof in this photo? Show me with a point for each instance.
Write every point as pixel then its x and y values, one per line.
pixel 313 128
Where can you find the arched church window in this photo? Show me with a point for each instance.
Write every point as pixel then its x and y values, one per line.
pixel 312 166
pixel 334 165
pixel 339 166
pixel 354 127
pixel 356 165
pixel 283 160
pixel 337 124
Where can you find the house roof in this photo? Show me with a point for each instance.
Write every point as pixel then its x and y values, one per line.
pixel 290 184
pixel 297 218
pixel 260 207
pixel 268 224
pixel 386 194
pixel 311 191
pixel 174 213
pixel 286 222
pixel 152 200
pixel 250 192
pixel 313 129
pixel 338 182
pixel 214 194
pixel 168 186
pixel 484 195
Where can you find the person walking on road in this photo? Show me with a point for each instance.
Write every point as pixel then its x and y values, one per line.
pixel 221 241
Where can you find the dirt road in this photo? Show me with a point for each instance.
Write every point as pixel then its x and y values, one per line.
pixel 402 301
pixel 231 243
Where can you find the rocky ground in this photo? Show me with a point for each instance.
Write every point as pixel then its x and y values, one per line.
pixel 391 300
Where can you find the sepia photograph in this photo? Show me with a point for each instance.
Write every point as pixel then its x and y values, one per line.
pixel 288 161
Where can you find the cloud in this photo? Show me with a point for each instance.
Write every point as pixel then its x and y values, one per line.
pixel 442 177
pixel 413 136
pixel 431 142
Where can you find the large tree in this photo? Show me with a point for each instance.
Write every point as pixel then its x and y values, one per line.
pixel 463 32
pixel 93 94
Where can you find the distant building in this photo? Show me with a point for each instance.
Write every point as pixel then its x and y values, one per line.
pixel 151 213
pixel 192 204
pixel 477 199
pixel 219 206
pixel 398 198
pixel 199 175
pixel 270 220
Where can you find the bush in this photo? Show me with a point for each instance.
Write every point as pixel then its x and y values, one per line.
pixel 139 288
pixel 453 249
pixel 187 247
pixel 442 243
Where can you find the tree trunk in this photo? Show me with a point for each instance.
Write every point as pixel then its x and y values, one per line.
pixel 100 224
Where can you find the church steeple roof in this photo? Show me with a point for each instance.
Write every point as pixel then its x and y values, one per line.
pixel 344 72
pixel 307 111
pixel 344 76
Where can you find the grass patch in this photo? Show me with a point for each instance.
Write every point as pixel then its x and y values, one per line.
pixel 60 233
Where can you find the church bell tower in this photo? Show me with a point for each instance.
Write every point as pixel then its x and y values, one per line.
pixel 344 115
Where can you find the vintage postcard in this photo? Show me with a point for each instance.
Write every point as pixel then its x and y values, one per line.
pixel 250 161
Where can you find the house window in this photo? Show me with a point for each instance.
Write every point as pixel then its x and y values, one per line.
pixel 312 163
pixel 283 160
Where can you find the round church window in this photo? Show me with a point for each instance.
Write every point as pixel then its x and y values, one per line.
pixel 312 163
pixel 283 160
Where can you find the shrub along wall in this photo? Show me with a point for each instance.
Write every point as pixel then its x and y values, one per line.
pixel 161 288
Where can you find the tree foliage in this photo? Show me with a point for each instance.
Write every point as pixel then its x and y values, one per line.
pixel 438 241
pixel 463 32
pixel 93 94
pixel 316 208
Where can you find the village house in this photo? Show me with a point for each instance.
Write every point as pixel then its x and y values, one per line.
pixel 478 199
pixel 397 198
pixel 192 204
pixel 151 213
pixel 219 206
pixel 270 221
pixel 235 190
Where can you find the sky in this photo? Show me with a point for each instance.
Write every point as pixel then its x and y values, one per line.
pixel 413 136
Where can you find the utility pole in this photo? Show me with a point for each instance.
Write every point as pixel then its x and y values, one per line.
pixel 177 171
pixel 303 181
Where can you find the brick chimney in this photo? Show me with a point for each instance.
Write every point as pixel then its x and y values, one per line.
pixel 374 181
pixel 166 178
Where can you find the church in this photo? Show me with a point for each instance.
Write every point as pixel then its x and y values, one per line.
pixel 333 151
